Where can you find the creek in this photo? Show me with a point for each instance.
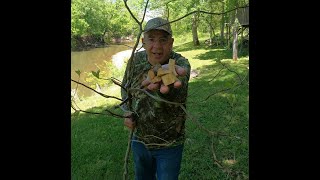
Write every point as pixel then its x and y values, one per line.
pixel 87 61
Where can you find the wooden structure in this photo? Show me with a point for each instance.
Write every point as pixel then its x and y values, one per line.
pixel 243 19
pixel 243 16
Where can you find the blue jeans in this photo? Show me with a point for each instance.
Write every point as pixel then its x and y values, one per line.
pixel 165 163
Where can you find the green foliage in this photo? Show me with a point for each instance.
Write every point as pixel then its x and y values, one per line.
pixel 100 18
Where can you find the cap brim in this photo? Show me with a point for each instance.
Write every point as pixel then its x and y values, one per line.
pixel 159 28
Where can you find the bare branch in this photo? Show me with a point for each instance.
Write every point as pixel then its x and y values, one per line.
pixel 75 91
pixel 125 3
pixel 197 122
pixel 104 95
pixel 154 97
pixel 130 66
pixel 117 82
pixel 224 169
pixel 126 158
pixel 124 110
pixel 75 104
pixel 230 70
pixel 144 13
pixel 200 11
pixel 153 144
pixel 216 75
pixel 199 89
pixel 115 115
pixel 157 138
pixel 110 113
pixel 227 89
pixel 124 101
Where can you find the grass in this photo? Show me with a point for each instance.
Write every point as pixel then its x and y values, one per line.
pixel 99 142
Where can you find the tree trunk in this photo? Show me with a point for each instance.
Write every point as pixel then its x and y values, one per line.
pixel 195 31
pixel 210 31
pixel 228 36
pixel 241 40
pixel 222 25
pixel 235 43
pixel 210 21
pixel 231 27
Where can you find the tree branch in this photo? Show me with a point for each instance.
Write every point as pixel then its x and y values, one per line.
pixel 154 97
pixel 200 11
pixel 104 95
pixel 111 113
pixel 130 67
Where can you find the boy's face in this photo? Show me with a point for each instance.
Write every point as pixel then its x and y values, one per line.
pixel 158 45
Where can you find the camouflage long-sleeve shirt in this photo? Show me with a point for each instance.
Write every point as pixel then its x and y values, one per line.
pixel 158 124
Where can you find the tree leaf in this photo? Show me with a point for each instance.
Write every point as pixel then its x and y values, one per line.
pixel 96 74
pixel 78 72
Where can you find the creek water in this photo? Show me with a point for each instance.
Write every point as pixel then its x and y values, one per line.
pixel 87 61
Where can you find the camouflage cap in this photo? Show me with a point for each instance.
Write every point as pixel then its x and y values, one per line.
pixel 156 23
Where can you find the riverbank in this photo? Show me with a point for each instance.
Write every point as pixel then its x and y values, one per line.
pixel 88 44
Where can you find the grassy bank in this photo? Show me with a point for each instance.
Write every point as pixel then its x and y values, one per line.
pixel 218 100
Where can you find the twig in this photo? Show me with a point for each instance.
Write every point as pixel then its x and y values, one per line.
pixel 117 82
pixel 198 123
pixel 230 70
pixel 126 158
pixel 156 137
pixel 200 11
pixel 154 97
pixel 104 95
pixel 111 113
pixel 222 90
pixel 224 169
pixel 215 160
pixel 75 91
pixel 153 144
pixel 197 92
